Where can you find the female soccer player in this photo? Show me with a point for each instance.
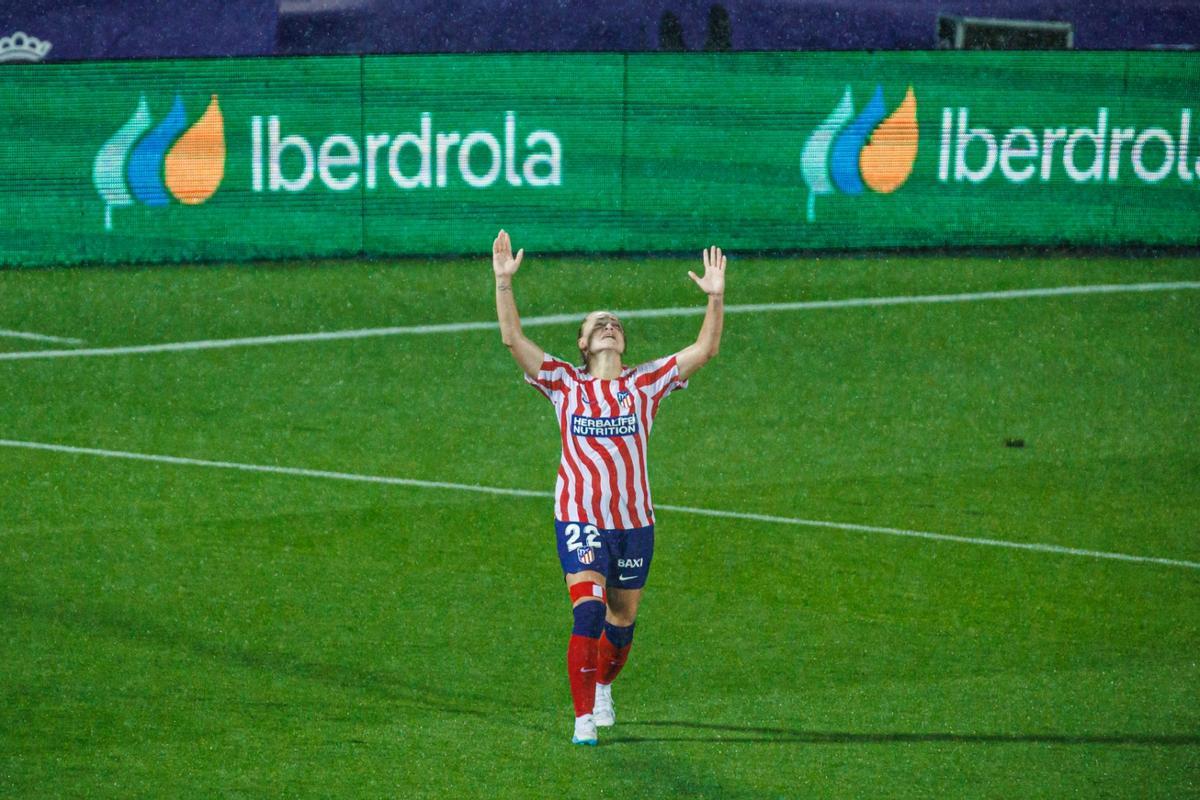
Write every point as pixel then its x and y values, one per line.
pixel 603 517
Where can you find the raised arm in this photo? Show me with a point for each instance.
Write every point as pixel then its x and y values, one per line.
pixel 695 356
pixel 527 354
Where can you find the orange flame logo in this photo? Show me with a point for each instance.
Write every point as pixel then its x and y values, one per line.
pixel 848 153
pixel 887 159
pixel 195 166
pixel 142 162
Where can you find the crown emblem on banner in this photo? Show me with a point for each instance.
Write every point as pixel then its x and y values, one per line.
pixel 23 47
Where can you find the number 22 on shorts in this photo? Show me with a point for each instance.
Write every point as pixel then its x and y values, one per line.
pixel 573 531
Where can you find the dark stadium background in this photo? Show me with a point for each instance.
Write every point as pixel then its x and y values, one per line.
pixel 148 29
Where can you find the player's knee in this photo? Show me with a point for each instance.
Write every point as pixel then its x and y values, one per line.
pixel 623 606
pixel 589 618
pixel 588 605
pixel 621 620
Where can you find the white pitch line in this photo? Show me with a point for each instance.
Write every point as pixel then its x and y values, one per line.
pixel 494 490
pixel 939 537
pixel 299 471
pixel 39 337
pixel 558 319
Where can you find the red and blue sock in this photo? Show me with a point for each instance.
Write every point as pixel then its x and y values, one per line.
pixel 612 651
pixel 581 654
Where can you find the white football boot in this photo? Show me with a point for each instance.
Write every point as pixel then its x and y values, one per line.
pixel 585 731
pixel 602 710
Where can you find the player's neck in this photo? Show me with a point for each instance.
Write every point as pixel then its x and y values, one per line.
pixel 605 365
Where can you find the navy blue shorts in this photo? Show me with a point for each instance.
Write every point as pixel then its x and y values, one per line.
pixel 622 557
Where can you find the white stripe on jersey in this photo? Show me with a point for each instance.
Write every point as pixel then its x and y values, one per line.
pixel 602 477
pixel 623 461
pixel 593 473
pixel 609 451
pixel 569 482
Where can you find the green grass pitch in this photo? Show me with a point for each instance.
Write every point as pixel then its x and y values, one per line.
pixel 185 631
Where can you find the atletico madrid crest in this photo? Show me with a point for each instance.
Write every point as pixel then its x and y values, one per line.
pixel 586 556
pixel 625 400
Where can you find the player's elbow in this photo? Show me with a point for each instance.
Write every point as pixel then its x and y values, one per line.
pixel 510 338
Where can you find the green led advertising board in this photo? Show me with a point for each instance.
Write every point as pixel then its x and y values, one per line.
pixel 389 155
pixel 845 150
pixel 99 167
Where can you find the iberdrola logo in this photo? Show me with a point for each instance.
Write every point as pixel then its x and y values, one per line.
pixel 188 162
pixel 875 148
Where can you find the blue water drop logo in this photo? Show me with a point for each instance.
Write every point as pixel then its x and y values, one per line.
pixel 146 162
pixel 843 166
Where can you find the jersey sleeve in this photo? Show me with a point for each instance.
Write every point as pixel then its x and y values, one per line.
pixel 659 378
pixel 553 378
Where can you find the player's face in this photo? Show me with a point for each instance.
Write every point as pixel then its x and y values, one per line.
pixel 602 331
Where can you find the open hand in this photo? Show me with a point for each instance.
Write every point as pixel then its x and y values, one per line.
pixel 503 263
pixel 713 282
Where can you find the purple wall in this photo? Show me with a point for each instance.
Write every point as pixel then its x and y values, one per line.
pixel 425 26
pixel 144 28
pixel 149 28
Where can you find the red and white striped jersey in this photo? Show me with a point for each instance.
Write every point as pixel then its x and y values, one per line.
pixel 605 425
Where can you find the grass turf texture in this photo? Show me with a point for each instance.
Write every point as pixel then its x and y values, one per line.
pixel 186 631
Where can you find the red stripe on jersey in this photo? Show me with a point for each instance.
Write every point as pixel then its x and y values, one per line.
pixel 630 505
pixel 647 506
pixel 610 476
pixel 583 486
pixel 560 493
pixel 654 401
pixel 639 442
pixel 596 488
pixel 635 498
pixel 659 394
pixel 664 382
pixel 569 460
pixel 651 378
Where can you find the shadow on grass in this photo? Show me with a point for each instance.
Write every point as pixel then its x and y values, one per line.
pixel 144 631
pixel 744 734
